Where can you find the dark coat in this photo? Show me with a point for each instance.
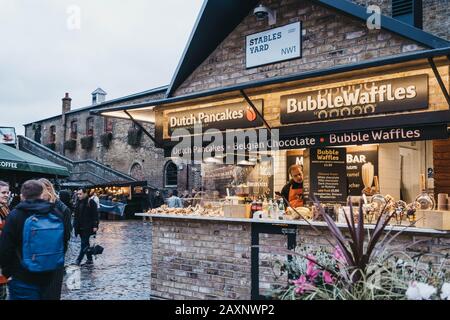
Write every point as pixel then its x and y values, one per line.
pixel 86 217
pixel 11 241
pixel 157 201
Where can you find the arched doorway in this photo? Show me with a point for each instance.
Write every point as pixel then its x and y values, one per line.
pixel 137 172
pixel 170 175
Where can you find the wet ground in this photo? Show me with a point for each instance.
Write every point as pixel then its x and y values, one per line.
pixel 122 272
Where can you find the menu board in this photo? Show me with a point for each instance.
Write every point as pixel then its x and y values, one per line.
pixel 327 174
pixel 357 158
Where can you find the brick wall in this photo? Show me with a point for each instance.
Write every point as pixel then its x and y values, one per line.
pixel 200 260
pixel 441 155
pixel 330 39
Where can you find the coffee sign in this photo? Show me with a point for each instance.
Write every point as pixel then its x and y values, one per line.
pixel 229 116
pixel 393 95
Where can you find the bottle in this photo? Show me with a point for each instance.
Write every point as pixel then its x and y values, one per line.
pixel 265 206
pixel 270 210
pixel 280 210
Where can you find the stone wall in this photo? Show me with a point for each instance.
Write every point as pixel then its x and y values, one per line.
pixel 329 39
pixel 194 259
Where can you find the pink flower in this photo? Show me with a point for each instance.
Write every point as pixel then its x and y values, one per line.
pixel 327 277
pixel 302 285
pixel 338 255
pixel 311 271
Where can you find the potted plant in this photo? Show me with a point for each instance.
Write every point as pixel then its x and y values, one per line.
pixel 134 137
pixel 106 139
pixel 70 145
pixel 87 142
pixel 51 146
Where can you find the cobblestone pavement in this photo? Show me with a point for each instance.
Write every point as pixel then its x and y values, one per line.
pixel 122 272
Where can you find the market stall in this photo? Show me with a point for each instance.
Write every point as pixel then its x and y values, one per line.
pixel 367 134
pixel 122 199
pixel 17 166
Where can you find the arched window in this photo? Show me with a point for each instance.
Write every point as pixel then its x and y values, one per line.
pixel 108 125
pixel 74 130
pixel 52 136
pixel 137 172
pixel 90 126
pixel 170 175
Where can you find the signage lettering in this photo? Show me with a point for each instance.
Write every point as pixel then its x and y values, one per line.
pixel 409 93
pixel 9 165
pixel 234 115
pixel 279 44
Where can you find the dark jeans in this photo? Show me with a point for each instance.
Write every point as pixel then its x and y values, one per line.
pixel 3 291
pixel 84 246
pixel 19 290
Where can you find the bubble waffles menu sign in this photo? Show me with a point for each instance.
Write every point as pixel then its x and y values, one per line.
pixel 229 116
pixel 327 174
pixel 393 95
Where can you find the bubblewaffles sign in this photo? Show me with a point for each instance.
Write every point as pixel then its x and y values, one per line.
pixel 393 95
pixel 229 116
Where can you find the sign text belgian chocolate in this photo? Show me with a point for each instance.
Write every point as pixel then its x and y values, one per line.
pixel 229 116
pixel 393 95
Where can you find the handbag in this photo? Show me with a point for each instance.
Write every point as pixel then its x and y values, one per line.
pixel 95 249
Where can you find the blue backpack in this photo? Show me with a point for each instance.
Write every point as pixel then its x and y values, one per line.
pixel 43 243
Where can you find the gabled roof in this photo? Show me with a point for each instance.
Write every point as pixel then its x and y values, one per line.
pixel 219 18
pixel 99 91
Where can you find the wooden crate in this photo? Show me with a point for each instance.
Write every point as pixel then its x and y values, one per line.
pixel 236 210
pixel 433 219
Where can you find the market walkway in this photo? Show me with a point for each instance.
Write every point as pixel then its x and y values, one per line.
pixel 122 272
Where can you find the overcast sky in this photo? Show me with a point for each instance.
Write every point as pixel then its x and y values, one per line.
pixel 47 49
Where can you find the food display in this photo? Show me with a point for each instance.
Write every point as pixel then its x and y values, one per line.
pixel 209 210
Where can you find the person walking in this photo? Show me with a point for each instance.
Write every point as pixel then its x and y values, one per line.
pixel 95 198
pixel 85 223
pixel 158 200
pixel 174 201
pixel 32 244
pixel 53 291
pixel 4 211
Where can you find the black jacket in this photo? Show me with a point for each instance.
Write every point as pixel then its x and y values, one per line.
pixel 86 217
pixel 11 241
pixel 157 201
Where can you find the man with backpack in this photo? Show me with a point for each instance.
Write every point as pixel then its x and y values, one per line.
pixel 32 244
pixel 85 223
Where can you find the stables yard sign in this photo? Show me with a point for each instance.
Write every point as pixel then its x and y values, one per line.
pixel 393 95
pixel 275 45
pixel 229 116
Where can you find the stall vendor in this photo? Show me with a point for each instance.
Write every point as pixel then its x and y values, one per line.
pixel 293 190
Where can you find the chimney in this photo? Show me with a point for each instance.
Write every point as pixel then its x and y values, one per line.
pixel 66 103
pixel 98 96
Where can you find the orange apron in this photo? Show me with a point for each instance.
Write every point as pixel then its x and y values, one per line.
pixel 295 197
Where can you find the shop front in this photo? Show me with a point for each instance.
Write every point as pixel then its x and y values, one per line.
pixel 368 135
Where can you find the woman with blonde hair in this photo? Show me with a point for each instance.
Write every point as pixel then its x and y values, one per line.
pixel 49 194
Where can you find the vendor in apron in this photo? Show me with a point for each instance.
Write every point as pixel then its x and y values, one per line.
pixel 293 190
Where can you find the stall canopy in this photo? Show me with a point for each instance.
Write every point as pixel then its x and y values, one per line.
pixel 12 160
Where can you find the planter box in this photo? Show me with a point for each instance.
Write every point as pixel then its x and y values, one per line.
pixel 433 219
pixel 70 145
pixel 106 139
pixel 87 142
pixel 51 146
pixel 134 137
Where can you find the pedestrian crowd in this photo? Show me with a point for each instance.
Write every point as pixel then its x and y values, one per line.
pixel 34 236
